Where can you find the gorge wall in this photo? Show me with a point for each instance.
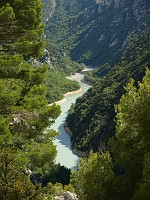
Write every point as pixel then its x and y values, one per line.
pixel 110 34
pixel 95 32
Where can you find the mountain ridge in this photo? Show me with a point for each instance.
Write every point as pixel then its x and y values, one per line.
pixel 95 32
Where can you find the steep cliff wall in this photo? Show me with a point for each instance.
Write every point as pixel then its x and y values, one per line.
pixel 94 32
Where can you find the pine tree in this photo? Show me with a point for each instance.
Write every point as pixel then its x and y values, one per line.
pixel 93 177
pixel 96 176
pixel 14 184
pixel 131 144
pixel 24 114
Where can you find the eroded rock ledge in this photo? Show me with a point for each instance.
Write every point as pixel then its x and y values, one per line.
pixel 67 196
pixel 75 151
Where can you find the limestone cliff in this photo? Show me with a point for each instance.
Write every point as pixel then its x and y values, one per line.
pixel 95 32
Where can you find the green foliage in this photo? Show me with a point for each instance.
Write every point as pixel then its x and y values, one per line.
pixel 65 35
pixel 41 156
pixel 95 33
pixel 95 177
pixel 58 58
pixel 143 187
pixel 95 74
pixel 60 61
pixel 23 30
pixel 57 189
pixel 131 143
pixel 48 8
pixel 6 14
pixel 57 85
pixel 92 118
pixel 13 183
pixel 59 174
pixel 24 114
pixel 5 135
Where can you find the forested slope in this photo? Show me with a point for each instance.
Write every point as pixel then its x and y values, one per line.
pixel 57 85
pixel 91 32
pixel 27 152
pixel 26 147
pixel 57 58
pixel 107 34
pixel 95 32
pixel 92 118
pixel 59 64
pixel 123 171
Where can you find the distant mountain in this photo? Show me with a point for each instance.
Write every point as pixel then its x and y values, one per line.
pixel 95 32
pixel 54 55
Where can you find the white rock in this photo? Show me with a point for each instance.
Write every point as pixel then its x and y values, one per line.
pixel 67 196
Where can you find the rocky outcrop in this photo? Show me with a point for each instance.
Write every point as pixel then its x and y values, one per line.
pixel 67 129
pixel 79 153
pixel 66 196
pixel 74 150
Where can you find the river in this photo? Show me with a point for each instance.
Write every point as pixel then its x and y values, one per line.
pixel 65 155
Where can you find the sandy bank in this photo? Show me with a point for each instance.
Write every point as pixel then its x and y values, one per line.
pixel 73 92
pixel 57 102
pixel 77 77
pixel 65 95
pixel 88 69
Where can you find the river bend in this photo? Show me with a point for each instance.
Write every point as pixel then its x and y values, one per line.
pixel 65 155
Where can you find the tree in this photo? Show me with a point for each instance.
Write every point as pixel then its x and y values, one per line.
pixel 42 156
pixel 13 183
pixel 96 177
pixel 24 114
pixel 131 143
pixel 143 186
pixel 93 177
pixel 21 28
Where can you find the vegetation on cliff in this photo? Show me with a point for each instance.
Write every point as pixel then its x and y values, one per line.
pixel 124 173
pixel 91 119
pixel 95 32
pixel 57 85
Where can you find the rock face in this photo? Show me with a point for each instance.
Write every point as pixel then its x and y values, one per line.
pixel 66 196
pixel 95 32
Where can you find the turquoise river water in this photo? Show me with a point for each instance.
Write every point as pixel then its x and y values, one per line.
pixel 65 155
